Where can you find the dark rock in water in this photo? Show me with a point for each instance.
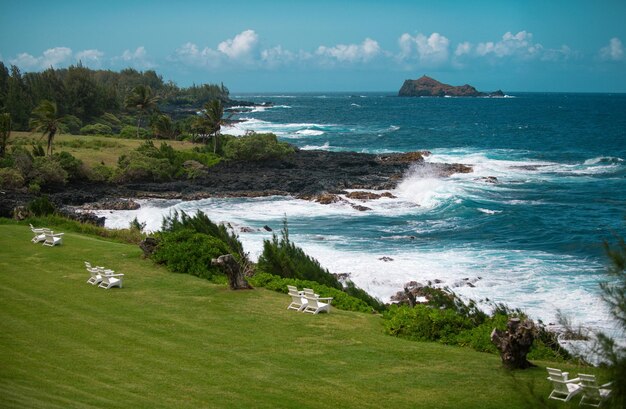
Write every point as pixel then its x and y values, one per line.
pixel 361 208
pixel 267 228
pixel 360 195
pixel 246 229
pixel 386 258
pixel 113 204
pixel 429 87
pixel 488 179
pixel 83 217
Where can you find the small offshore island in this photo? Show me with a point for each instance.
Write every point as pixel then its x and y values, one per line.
pixel 430 87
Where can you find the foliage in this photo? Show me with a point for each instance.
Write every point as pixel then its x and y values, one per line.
pixel 200 223
pixel 189 252
pixel 96 129
pixel 285 259
pixel 448 320
pixel 11 178
pixel 47 171
pixel 45 119
pixel 100 173
pixel 41 206
pixel 256 147
pixel 5 132
pixel 341 299
pixel 163 127
pixel 73 166
pixel 138 166
pixel 89 143
pixel 143 100
pixel 130 132
pixel 211 120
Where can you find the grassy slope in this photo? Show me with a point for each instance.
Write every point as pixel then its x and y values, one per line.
pixel 168 340
pixel 90 153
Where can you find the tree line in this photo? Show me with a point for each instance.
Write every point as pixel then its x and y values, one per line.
pixel 90 97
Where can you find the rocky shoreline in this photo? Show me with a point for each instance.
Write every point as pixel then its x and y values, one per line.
pixel 312 175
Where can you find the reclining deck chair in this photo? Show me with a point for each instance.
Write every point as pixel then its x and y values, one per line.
pixel 111 280
pixel 39 234
pixel 51 239
pixel 564 389
pixel 298 302
pixel 593 395
pixel 314 304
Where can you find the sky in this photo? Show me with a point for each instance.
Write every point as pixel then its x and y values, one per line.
pixel 317 46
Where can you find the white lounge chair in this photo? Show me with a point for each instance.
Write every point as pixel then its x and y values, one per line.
pixel 593 395
pixel 52 239
pixel 111 280
pixel 96 277
pixel 564 389
pixel 293 289
pixel 39 234
pixel 315 304
pixel 298 302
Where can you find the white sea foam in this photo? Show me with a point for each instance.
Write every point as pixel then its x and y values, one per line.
pixel 309 132
pixel 324 147
pixel 489 211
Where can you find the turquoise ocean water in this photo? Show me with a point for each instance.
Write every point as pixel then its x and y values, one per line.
pixel 532 240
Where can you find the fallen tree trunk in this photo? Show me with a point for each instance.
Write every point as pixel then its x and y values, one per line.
pixel 233 270
pixel 514 343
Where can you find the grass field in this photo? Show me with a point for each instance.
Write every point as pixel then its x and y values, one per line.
pixel 93 150
pixel 176 341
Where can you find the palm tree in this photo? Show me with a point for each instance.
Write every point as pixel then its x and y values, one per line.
pixel 45 120
pixel 162 126
pixel 213 113
pixel 141 99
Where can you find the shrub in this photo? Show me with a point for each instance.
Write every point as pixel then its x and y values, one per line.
pixel 41 206
pixel 11 178
pixel 130 132
pixel 72 124
pixel 47 171
pixel 256 147
pixel 73 166
pixel 96 129
pixel 100 173
pixel 189 252
pixel 136 166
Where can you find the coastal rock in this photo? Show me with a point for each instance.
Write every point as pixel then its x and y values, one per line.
pixel 267 228
pixel 113 204
pixel 430 87
pixel 488 179
pixel 406 157
pixel 361 208
pixel 386 258
pixel 360 195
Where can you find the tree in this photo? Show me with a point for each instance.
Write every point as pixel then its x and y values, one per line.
pixel 5 132
pixel 163 127
pixel 141 99
pixel 614 295
pixel 45 120
pixel 213 113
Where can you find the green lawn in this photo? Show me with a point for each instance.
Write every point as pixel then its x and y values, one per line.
pixel 176 341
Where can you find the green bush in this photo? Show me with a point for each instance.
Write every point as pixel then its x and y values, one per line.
pixel 341 300
pixel 41 206
pixel 11 178
pixel 100 173
pixel 189 252
pixel 73 166
pixel 72 124
pixel 256 147
pixel 96 129
pixel 136 166
pixel 130 132
pixel 46 171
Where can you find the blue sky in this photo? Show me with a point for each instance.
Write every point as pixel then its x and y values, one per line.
pixel 258 46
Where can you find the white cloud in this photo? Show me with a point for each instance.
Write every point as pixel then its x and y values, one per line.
pixel 241 46
pixel 363 52
pixel 276 56
pixel 431 50
pixel 520 44
pixel 91 58
pixel 137 59
pixel 614 51
pixel 52 57
pixel 463 48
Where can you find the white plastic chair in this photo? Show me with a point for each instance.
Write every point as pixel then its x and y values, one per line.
pixel 315 304
pixel 593 395
pixel 39 234
pixel 51 239
pixel 298 302
pixel 96 277
pixel 564 389
pixel 111 280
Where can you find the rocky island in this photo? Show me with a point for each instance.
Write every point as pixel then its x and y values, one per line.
pixel 430 87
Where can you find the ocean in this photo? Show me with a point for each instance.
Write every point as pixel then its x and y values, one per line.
pixel 532 240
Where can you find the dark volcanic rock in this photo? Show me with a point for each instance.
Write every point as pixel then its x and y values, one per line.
pixel 429 87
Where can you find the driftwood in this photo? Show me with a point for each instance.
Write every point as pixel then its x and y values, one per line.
pixel 148 245
pixel 514 343
pixel 234 271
